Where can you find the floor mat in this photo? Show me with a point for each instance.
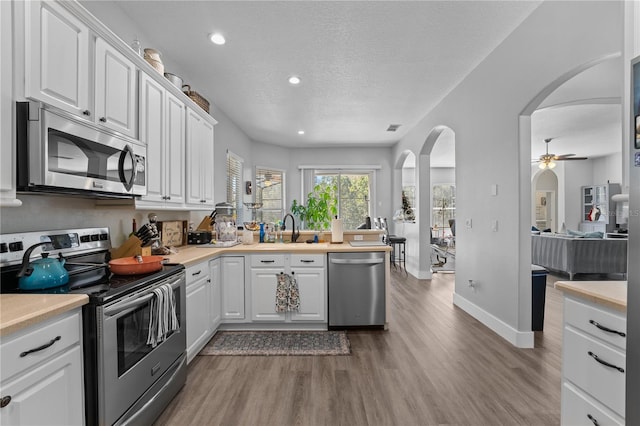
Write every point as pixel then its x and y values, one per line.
pixel 278 343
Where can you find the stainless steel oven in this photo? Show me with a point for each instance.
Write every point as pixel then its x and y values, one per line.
pixel 127 368
pixel 127 380
pixel 58 152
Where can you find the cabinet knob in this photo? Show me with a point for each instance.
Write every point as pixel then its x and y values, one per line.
pixel 86 112
pixel 103 119
pixel 168 197
pixel 4 401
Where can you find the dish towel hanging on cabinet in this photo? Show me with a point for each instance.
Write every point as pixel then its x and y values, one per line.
pixel 287 293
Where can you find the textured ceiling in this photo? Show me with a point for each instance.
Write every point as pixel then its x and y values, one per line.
pixel 364 64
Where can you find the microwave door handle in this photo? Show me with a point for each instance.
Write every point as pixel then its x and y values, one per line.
pixel 127 151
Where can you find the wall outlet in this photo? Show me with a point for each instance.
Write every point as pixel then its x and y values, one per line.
pixel 468 223
pixel 358 238
pixel 494 225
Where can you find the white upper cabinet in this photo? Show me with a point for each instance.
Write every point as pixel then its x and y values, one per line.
pixel 199 161
pixel 115 90
pixel 56 57
pixel 162 128
pixel 59 70
pixel 7 159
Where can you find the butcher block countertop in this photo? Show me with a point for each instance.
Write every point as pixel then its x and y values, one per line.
pixel 188 255
pixel 612 294
pixel 18 311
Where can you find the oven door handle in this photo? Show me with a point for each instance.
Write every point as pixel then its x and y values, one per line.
pixel 137 301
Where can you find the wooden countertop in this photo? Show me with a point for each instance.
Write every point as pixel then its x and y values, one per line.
pixel 612 294
pixel 193 254
pixel 18 311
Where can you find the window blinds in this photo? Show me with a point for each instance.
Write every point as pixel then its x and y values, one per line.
pixel 234 183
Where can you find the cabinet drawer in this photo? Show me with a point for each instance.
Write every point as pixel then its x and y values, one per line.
pixel 307 259
pixel 580 366
pixel 57 334
pixel 579 409
pixel 197 272
pixel 596 321
pixel 270 260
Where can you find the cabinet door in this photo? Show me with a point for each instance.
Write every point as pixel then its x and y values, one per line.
pixel 216 303
pixel 198 324
pixel 7 159
pixel 152 133
pixel 115 90
pixel 313 294
pixel 175 150
pixel 233 288
pixel 56 57
pixel 194 160
pixel 263 295
pixel 207 163
pixel 51 393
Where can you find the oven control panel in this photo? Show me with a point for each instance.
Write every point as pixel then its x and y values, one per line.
pixel 65 241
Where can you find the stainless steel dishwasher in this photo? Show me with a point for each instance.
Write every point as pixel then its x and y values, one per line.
pixel 356 289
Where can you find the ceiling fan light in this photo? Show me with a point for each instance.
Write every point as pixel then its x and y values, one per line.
pixel 552 165
pixel 542 166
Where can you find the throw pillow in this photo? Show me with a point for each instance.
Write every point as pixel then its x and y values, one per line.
pixel 596 234
pixel 573 233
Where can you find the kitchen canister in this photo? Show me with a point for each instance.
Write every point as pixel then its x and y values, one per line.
pixel 247 236
pixel 337 226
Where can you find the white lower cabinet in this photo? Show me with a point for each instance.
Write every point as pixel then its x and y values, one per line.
pixel 199 327
pixel 593 364
pixel 215 300
pixel 41 378
pixel 309 272
pixel 232 287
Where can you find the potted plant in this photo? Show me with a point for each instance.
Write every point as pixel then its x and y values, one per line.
pixel 322 206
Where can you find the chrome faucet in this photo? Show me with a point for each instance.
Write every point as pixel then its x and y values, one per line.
pixel 294 234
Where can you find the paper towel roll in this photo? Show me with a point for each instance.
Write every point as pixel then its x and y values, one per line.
pixel 336 230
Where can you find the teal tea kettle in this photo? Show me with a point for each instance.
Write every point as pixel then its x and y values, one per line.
pixel 41 274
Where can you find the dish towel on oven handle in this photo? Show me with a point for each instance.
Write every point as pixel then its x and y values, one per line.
pixel 287 293
pixel 163 318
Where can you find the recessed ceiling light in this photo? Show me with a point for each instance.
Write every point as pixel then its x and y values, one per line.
pixel 301 132
pixel 294 79
pixel 217 38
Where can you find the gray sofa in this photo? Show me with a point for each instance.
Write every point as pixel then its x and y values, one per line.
pixel 579 255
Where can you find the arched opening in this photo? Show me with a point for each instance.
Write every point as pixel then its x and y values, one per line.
pixel 438 151
pixel 544 189
pixel 567 201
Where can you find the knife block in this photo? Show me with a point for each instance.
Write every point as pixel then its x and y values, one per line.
pixel 205 225
pixel 131 247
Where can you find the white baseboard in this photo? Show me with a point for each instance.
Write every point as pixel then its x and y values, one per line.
pixel 520 339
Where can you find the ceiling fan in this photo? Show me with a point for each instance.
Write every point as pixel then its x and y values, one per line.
pixel 548 160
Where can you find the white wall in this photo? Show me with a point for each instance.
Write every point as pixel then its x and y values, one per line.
pixel 607 169
pixel 483 112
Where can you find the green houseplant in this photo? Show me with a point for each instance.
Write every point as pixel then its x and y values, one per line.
pixel 322 206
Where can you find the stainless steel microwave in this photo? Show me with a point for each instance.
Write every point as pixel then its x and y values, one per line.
pixel 59 153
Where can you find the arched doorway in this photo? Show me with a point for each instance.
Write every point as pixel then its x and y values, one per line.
pixel 525 185
pixel 443 156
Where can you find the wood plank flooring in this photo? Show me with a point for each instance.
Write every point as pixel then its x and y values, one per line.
pixel 435 366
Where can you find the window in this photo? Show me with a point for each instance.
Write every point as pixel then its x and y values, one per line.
pixel 443 209
pixel 354 193
pixel 234 183
pixel 270 192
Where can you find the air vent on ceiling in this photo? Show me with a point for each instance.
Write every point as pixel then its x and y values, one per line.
pixel 393 127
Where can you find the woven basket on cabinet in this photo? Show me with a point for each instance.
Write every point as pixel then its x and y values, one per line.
pixel 196 97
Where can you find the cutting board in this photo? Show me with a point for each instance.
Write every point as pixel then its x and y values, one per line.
pixel 172 233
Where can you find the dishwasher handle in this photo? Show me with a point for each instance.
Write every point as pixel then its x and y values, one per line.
pixel 356 261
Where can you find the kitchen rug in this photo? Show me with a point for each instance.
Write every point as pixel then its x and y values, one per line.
pixel 267 343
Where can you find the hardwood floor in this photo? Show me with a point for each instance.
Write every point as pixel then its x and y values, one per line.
pixel 435 366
